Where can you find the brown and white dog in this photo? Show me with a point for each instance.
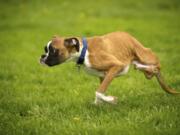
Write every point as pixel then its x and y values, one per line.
pixel 107 57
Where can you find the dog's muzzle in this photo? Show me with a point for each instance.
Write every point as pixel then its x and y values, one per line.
pixel 43 59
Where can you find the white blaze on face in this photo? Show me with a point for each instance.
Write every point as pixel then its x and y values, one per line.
pixel 47 53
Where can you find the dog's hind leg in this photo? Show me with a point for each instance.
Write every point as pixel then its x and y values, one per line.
pixel 149 70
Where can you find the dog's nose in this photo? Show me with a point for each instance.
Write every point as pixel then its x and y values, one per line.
pixel 42 56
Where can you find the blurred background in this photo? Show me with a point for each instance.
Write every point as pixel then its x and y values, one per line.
pixel 38 100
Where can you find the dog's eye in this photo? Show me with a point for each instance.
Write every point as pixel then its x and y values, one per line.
pixel 56 52
pixel 51 49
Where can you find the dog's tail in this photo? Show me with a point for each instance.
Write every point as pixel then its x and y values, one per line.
pixel 146 56
pixel 164 86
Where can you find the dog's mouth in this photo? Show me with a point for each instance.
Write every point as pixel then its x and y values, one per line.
pixel 49 60
pixel 42 61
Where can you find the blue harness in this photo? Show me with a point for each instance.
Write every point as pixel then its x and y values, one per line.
pixel 83 52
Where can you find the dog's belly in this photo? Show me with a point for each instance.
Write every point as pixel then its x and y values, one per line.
pixel 98 73
pixel 95 72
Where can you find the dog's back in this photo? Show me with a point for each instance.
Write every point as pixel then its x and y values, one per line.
pixel 124 47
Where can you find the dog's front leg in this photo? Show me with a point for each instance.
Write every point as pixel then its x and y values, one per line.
pixel 113 71
pixel 98 100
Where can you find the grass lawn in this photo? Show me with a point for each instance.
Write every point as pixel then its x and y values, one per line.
pixel 37 100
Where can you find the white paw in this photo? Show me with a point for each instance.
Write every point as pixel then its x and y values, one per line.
pixel 109 99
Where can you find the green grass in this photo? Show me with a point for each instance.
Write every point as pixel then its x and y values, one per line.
pixel 37 100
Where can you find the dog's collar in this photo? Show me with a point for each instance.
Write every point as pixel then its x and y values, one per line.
pixel 83 52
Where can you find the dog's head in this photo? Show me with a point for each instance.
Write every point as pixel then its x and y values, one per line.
pixel 58 50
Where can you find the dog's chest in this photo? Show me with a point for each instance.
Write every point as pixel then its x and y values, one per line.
pixel 89 69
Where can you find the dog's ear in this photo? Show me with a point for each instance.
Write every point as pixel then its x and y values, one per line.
pixel 72 42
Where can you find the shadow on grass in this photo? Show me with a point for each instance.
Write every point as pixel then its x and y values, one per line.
pixel 141 102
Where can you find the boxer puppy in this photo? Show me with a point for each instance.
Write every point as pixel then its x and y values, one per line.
pixel 107 57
